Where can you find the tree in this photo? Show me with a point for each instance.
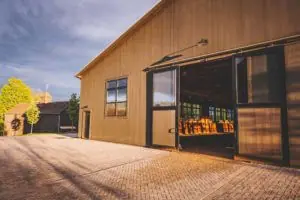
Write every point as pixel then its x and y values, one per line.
pixel 73 109
pixel 11 94
pixel 2 111
pixel 33 114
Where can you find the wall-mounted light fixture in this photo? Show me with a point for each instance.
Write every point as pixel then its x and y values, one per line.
pixel 84 107
pixel 174 55
pixel 203 42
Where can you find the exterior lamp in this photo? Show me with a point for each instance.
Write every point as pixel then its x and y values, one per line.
pixel 84 107
pixel 203 42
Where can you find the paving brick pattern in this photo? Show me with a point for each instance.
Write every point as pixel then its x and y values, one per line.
pixel 56 167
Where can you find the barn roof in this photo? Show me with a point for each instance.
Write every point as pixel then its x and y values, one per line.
pixel 53 108
pixel 124 36
pixel 19 109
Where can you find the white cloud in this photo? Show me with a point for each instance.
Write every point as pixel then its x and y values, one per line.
pixel 93 32
pixel 52 78
pixel 47 42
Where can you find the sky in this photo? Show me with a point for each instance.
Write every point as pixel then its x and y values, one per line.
pixel 46 42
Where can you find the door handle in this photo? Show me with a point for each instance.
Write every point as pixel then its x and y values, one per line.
pixel 172 130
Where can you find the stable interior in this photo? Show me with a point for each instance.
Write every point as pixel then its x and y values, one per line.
pixel 206 121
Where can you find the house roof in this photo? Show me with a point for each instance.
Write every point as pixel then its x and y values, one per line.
pixel 124 36
pixel 53 108
pixel 19 109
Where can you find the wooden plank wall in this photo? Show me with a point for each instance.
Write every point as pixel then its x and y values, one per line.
pixel 292 61
pixel 180 23
pixel 260 132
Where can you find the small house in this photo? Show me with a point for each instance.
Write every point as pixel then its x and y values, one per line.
pixel 14 120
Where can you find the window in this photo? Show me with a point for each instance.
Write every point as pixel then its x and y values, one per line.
pixel 218 114
pixel 187 109
pixel 258 79
pixel 229 115
pixel 212 113
pixel 224 114
pixel 116 98
pixel 197 110
pixel 164 89
pixel 191 110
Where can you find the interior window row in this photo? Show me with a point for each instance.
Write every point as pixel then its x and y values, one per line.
pixel 218 114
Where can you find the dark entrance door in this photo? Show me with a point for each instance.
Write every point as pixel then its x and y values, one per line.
pixel 87 125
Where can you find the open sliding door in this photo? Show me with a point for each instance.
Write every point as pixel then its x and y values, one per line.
pixel 162 98
pixel 261 105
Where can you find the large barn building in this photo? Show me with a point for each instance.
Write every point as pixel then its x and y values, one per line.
pixel 215 74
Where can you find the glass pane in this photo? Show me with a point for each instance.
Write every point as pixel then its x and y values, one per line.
pixel 122 83
pixel 224 114
pixel 229 114
pixel 258 79
pixel 111 96
pixel 241 66
pixel 111 109
pixel 189 114
pixel 164 89
pixel 185 111
pixel 122 95
pixel 121 109
pixel 218 114
pixel 111 84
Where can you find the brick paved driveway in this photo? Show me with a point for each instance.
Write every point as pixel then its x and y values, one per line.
pixel 56 167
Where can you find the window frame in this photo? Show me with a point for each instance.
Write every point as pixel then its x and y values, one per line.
pixel 278 53
pixel 191 110
pixel 224 114
pixel 116 102
pixel 212 110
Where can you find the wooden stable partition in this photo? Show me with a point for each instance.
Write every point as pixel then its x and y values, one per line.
pixel 260 132
pixel 173 25
pixel 292 61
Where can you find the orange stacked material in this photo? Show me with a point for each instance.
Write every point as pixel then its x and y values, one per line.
pixel 190 126
pixel 213 127
pixel 199 126
pixel 226 126
pixel 195 127
pixel 186 127
pixel 180 126
pixel 204 125
pixel 231 127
